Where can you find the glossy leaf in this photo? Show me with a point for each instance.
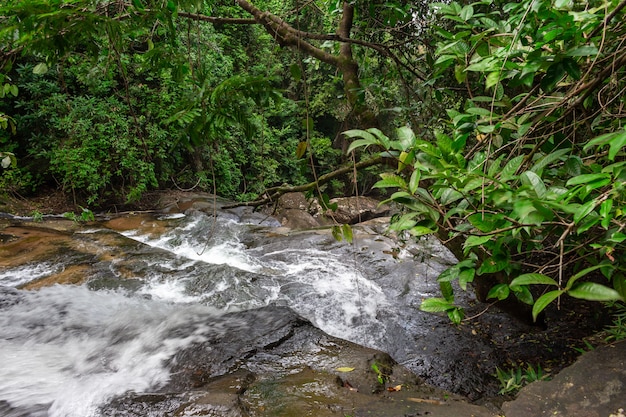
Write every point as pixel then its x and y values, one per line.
pixel 533 279
pixel 544 301
pixel 594 292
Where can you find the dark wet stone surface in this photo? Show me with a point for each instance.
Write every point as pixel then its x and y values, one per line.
pixel 271 362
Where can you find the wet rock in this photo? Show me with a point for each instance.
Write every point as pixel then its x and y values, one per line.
pixel 594 386
pixel 271 362
pixel 297 219
pixel 353 210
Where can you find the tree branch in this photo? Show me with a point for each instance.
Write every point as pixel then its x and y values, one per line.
pixel 284 189
pixel 218 20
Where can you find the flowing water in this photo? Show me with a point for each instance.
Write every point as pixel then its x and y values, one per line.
pixel 165 285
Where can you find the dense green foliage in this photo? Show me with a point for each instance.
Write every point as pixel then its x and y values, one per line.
pixel 510 147
pixel 525 181
pixel 121 104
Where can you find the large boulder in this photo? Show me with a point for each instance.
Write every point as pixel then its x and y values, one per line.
pixel 594 386
pixel 353 210
pixel 295 211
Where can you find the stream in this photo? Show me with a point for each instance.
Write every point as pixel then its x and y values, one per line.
pixel 139 290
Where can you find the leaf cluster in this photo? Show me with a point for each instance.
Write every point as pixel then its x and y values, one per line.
pixel 525 182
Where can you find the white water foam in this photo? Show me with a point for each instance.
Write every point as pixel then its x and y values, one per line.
pixel 181 242
pixel 68 350
pixel 321 286
pixel 14 277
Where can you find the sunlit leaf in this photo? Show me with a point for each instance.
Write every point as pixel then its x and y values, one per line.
pixel 436 305
pixel 40 68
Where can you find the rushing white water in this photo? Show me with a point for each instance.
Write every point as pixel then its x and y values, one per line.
pixel 65 350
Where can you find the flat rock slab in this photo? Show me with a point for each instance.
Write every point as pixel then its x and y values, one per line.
pixel 595 386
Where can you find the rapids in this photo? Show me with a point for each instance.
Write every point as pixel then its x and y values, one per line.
pixel 167 283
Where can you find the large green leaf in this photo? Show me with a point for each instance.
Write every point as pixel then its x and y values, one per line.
pixel 545 300
pixel 510 169
pixel 389 180
pixel 533 279
pixel 594 292
pixel 585 271
pixel 436 305
pixel 587 178
pixel 534 181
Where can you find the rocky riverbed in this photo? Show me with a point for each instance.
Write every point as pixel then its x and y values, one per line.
pixel 268 351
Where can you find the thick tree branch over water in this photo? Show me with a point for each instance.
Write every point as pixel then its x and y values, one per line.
pixel 272 194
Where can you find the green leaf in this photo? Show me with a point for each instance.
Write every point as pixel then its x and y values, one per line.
pixel 605 212
pixel 436 305
pixel 523 294
pixel 296 72
pixel 572 68
pixel 584 210
pixel 548 159
pixel 492 264
pixel 533 279
pixel 336 232
pixel 492 79
pixel 405 159
pixel 466 276
pixel 406 137
pixel 403 223
pixel 40 68
pixel 485 222
pixel 594 292
pixel 347 232
pixel 552 76
pixel 345 369
pixel 390 180
pixel 414 181
pixel 586 50
pixel 467 12
pixel 509 170
pixel 499 291
pixel 584 272
pixel 472 241
pixel 446 290
pixel 545 300
pixel 421 231
pixel 616 144
pixel 619 284
pixel 587 178
pixel 301 150
pixel 534 181
pixel 616 141
pixel 359 143
pixel 455 315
